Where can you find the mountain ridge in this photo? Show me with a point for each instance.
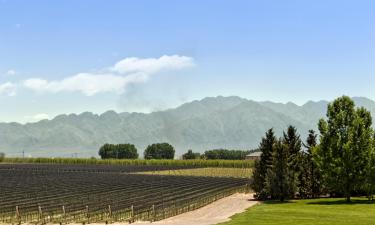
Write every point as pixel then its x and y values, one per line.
pixel 212 122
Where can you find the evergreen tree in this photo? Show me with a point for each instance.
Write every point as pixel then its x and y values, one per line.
pixel 304 176
pixel 293 144
pixel 278 182
pixel 311 169
pixel 345 146
pixel 261 167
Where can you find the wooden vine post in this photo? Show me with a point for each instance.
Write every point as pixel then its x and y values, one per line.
pixel 40 214
pixel 87 214
pixel 132 213
pixel 153 213
pixel 109 214
pixel 18 215
pixel 63 219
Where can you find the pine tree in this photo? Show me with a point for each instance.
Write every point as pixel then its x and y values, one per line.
pixel 261 167
pixel 278 176
pixel 313 175
pixel 293 143
pixel 304 176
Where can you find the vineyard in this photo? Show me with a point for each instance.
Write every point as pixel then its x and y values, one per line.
pixel 59 193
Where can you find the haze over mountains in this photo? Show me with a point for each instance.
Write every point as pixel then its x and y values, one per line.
pixel 214 122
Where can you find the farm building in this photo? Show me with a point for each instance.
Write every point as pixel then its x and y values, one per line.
pixel 253 156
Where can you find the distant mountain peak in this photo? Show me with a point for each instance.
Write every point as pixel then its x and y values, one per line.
pixel 213 122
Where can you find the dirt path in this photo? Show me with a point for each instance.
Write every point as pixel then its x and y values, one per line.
pixel 217 212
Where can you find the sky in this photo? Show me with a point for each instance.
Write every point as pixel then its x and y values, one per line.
pixel 72 56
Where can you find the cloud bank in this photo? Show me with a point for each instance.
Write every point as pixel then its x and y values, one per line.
pixel 88 84
pixel 115 79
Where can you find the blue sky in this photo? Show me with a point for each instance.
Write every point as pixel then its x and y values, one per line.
pixel 61 56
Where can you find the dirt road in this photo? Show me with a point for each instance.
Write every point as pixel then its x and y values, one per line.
pixel 217 212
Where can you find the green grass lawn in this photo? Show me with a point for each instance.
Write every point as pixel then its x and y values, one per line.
pixel 309 212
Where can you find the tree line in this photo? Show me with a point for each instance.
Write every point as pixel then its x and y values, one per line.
pixel 129 151
pixel 167 151
pixel 224 154
pixel 340 161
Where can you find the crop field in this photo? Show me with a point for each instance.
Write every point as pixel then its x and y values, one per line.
pixel 139 162
pixel 58 193
pixel 206 172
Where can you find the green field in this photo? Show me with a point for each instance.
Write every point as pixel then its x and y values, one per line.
pixel 207 172
pixel 149 162
pixel 309 212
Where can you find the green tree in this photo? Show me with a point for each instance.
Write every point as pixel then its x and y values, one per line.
pixel 119 151
pixel 126 151
pixel 293 144
pixel 2 156
pixel 369 185
pixel 225 154
pixel 261 167
pixel 304 176
pixel 345 146
pixel 191 155
pixel 107 151
pixel 279 181
pixel 159 151
pixel 312 173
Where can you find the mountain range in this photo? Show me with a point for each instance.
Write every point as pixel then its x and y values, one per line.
pixel 213 122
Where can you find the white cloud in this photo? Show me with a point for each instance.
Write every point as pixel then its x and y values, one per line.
pixel 37 117
pixel 11 72
pixel 125 72
pixel 8 89
pixel 88 84
pixel 153 65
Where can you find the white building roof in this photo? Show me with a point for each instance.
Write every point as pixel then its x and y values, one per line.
pixel 254 154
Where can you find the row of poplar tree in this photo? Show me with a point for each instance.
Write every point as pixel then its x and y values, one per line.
pixel 340 161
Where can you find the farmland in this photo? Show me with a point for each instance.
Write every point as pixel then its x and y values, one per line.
pixel 62 193
pixel 138 162
pixel 206 172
